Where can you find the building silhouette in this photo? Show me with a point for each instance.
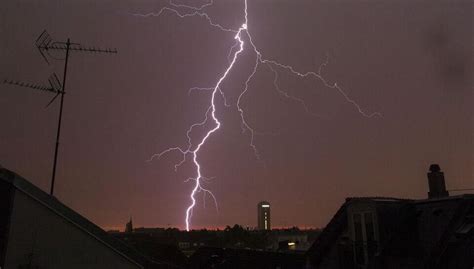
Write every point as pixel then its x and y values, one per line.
pixel 129 226
pixel 235 258
pixel 393 233
pixel 263 216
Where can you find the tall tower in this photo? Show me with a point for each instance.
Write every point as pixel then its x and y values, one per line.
pixel 263 216
pixel 129 226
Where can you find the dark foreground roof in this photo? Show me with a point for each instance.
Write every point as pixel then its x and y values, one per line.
pixel 152 247
pixel 339 222
pixel 431 232
pixel 437 230
pixel 79 221
pixel 226 258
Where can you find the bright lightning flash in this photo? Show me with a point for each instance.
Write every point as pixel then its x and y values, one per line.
pixel 192 149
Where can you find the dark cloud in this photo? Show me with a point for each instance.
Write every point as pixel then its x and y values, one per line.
pixel 452 59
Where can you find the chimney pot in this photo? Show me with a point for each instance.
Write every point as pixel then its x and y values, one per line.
pixel 435 168
pixel 436 183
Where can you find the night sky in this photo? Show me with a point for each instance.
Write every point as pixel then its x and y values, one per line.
pixel 409 60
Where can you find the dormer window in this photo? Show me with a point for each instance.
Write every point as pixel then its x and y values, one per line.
pixel 364 237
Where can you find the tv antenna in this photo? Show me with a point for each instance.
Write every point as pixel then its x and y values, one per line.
pixel 45 44
pixel 53 87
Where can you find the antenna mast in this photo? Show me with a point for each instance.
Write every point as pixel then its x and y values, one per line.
pixel 45 45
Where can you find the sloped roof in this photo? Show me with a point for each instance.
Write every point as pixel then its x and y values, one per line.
pixel 329 234
pixel 53 204
pixel 431 225
pixel 339 222
pixel 410 226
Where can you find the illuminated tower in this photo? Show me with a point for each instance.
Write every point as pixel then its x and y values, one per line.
pixel 263 215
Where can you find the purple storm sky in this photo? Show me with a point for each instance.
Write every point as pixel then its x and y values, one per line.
pixel 409 60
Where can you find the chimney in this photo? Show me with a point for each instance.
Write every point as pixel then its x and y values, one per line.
pixel 436 183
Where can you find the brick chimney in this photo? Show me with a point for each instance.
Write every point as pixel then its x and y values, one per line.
pixel 436 183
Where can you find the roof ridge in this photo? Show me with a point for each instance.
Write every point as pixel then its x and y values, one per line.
pixel 379 197
pixel 73 217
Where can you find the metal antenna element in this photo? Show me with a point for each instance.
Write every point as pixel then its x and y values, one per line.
pixel 53 87
pixel 43 41
pixel 55 84
pixel 45 44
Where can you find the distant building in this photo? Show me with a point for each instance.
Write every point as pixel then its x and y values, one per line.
pixel 391 233
pixel 289 240
pixel 263 216
pixel 155 247
pixel 38 231
pixel 129 226
pixel 184 245
pixel 224 258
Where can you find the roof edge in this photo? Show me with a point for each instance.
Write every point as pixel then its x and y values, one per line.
pixel 58 208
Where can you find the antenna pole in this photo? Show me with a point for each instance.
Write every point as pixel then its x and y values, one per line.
pixel 44 43
pixel 60 117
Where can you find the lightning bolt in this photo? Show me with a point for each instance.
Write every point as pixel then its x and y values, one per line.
pixel 243 39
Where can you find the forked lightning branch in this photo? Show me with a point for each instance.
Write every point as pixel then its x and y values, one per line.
pixel 243 41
